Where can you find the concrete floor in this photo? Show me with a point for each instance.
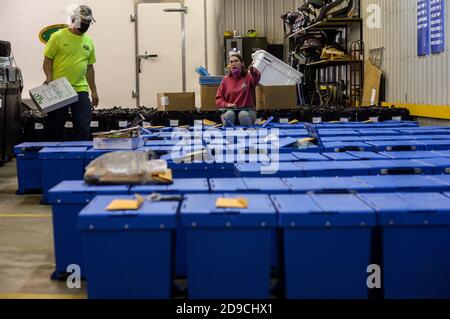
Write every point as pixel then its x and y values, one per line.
pixel 26 245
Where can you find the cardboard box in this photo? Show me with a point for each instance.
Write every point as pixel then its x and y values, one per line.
pixel 168 102
pixel 372 79
pixel 55 95
pixel 208 98
pixel 276 97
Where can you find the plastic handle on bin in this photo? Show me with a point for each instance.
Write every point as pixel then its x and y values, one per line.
pixel 401 171
pixel 348 149
pixel 401 148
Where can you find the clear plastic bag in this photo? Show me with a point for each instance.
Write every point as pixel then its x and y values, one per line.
pixel 126 168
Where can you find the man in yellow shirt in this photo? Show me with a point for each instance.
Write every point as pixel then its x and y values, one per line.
pixel 70 53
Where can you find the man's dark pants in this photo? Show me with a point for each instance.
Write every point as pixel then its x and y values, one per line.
pixel 81 117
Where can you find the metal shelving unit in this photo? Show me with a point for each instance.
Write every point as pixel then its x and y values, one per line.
pixel 351 70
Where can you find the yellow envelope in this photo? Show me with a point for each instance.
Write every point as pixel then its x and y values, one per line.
pixel 209 123
pixel 369 121
pixel 308 139
pixel 184 126
pixel 293 122
pixel 165 177
pixel 240 202
pixel 126 204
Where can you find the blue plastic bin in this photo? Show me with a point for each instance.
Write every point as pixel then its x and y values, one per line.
pixel 415 237
pixel 410 154
pixel 367 156
pixel 326 185
pixel 61 164
pixel 29 175
pixel 254 170
pixel 392 146
pixel 440 165
pixel 331 168
pixel 229 250
pixel 397 167
pixel 309 157
pixel 340 156
pixel 347 146
pixel 68 198
pixel 128 253
pixel 404 183
pixel 327 245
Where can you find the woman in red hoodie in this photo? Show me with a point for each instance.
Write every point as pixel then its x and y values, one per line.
pixel 236 93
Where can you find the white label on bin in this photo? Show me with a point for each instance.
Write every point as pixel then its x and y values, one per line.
pixel 123 123
pixel 94 124
pixel 68 125
pixel 284 121
pixel 146 124
pixel 164 100
pixel 396 118
pixel 174 122
pixel 317 120
pixel 1 103
pixel 344 119
pixel 374 119
pixel 38 126
pixel 198 123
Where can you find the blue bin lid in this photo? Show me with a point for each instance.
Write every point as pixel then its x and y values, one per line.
pixel 78 192
pixel 328 139
pixel 323 211
pixel 367 155
pixel 403 183
pixel 252 168
pixel 151 215
pixel 160 142
pixel 201 211
pixel 338 132
pixel 442 178
pixel 442 153
pixel 430 137
pixel 348 167
pixel 410 209
pixel 266 184
pixel 77 144
pixel 339 156
pixel 148 148
pixel 439 163
pixel 423 131
pixel 410 154
pixel 33 146
pixel 179 185
pixel 309 157
pixel 227 185
pixel 388 138
pixel 326 184
pixel 378 131
pixel 283 157
pixel 395 167
pixel 398 145
pixel 436 144
pixel 63 153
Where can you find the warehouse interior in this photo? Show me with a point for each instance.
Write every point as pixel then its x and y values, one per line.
pixel 225 149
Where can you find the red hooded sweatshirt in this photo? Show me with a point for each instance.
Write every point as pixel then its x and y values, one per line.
pixel 238 90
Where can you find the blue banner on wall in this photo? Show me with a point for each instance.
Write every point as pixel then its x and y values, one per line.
pixel 423 27
pixel 437 25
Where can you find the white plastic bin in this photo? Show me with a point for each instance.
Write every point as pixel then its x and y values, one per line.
pixel 274 71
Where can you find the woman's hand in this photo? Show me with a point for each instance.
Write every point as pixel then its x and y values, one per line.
pixel 231 105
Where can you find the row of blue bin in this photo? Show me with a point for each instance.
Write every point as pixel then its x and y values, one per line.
pixel 70 197
pixel 43 165
pixel 326 246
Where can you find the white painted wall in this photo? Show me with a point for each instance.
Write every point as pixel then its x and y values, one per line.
pixel 113 35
